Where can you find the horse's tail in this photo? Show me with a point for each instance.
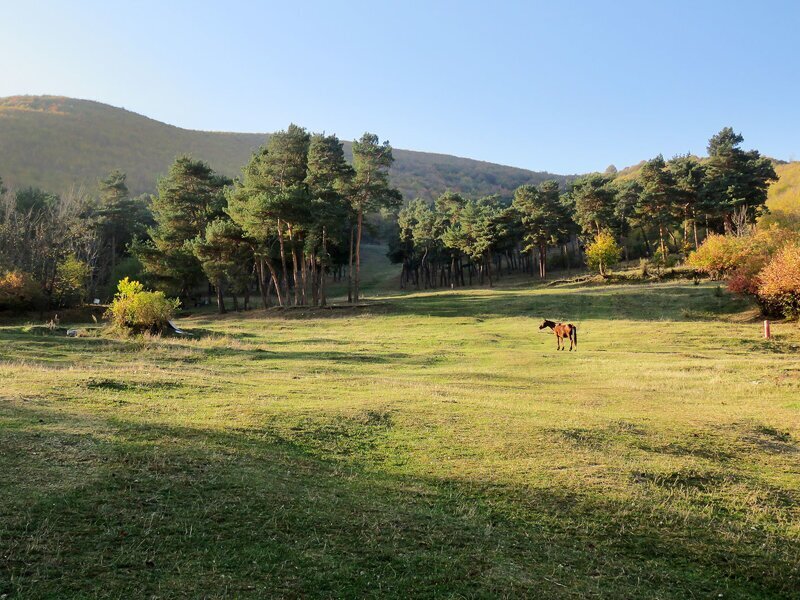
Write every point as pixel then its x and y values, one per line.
pixel 575 335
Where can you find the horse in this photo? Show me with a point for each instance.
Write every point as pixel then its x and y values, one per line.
pixel 563 331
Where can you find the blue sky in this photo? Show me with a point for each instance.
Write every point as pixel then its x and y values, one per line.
pixel 559 86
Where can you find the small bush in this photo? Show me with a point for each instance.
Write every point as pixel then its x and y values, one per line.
pixel 137 310
pixel 670 260
pixel 719 255
pixel 644 271
pixel 19 291
pixel 69 287
pixel 742 259
pixel 779 281
pixel 603 253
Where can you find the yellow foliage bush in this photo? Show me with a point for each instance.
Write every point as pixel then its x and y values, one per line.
pixel 139 310
pixel 603 253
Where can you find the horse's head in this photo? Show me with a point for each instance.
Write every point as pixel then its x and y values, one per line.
pixel 546 323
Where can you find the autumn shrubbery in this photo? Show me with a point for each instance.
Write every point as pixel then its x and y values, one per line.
pixel 136 310
pixel 747 261
pixel 719 255
pixel 779 281
pixel 18 291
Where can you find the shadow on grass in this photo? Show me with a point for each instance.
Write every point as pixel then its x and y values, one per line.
pixel 667 302
pixel 63 352
pixel 116 508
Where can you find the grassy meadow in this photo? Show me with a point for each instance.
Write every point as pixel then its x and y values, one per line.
pixel 429 444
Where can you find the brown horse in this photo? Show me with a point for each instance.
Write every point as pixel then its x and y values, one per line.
pixel 563 331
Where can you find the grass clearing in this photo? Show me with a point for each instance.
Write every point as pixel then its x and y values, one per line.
pixel 430 444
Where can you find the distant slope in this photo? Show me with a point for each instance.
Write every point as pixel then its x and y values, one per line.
pixel 784 196
pixel 55 143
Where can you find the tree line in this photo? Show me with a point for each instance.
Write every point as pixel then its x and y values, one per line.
pixel 665 208
pixel 295 216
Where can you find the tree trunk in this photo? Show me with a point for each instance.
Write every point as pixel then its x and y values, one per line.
pixel 113 251
pixel 295 266
pixel 304 275
pixel 350 269
pixel 489 267
pixel 543 261
pixel 220 298
pixel 686 225
pixel 285 279
pixel 728 223
pixel 262 281
pixel 646 242
pixel 322 298
pixel 276 281
pixel 357 290
pixel 425 274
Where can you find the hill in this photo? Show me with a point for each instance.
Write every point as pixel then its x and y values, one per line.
pixel 784 196
pixel 56 143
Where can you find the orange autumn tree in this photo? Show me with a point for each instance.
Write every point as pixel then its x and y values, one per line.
pixel 779 281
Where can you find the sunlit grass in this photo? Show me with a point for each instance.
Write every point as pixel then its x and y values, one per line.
pixel 431 444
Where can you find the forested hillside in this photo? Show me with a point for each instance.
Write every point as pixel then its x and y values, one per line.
pixel 55 143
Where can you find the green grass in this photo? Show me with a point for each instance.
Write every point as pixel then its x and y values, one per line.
pixel 430 445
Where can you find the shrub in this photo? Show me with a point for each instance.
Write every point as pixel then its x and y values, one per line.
pixel 69 286
pixel 138 310
pixel 779 281
pixel 603 253
pixel 665 260
pixel 19 291
pixel 719 255
pixel 741 259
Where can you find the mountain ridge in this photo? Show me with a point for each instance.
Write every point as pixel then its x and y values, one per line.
pixel 57 142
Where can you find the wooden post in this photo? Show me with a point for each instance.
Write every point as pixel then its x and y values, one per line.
pixel 767 334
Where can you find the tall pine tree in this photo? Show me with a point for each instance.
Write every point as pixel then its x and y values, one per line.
pixel 370 190
pixel 189 198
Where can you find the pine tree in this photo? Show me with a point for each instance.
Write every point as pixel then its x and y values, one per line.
pixel 542 217
pixel 737 180
pixel 272 200
pixel 189 198
pixel 659 202
pixel 594 200
pixel 690 180
pixel 370 190
pixel 328 179
pixel 224 257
